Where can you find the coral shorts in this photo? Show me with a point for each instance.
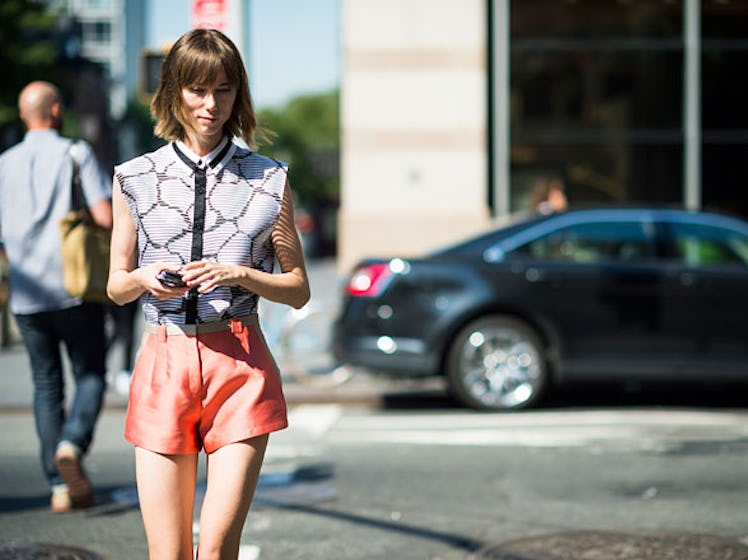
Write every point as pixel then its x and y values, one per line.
pixel 204 389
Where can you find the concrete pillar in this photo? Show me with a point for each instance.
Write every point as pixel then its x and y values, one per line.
pixel 413 125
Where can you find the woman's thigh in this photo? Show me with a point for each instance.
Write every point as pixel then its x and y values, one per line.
pixel 233 471
pixel 166 491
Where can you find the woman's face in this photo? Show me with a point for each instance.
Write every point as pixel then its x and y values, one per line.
pixel 209 106
pixel 557 198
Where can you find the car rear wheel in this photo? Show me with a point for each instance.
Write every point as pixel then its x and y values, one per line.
pixel 497 362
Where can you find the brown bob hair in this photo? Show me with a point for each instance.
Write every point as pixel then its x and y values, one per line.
pixel 195 59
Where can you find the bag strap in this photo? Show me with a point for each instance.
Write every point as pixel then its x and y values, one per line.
pixel 78 200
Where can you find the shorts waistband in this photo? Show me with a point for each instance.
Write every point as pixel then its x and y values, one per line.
pixel 201 328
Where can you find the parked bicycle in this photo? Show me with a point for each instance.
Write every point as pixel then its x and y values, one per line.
pixel 301 341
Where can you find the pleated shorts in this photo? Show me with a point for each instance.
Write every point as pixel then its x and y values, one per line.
pixel 203 387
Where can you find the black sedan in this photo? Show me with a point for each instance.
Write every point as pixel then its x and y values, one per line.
pixel 588 294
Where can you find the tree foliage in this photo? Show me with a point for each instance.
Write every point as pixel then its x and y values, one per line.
pixel 305 132
pixel 138 118
pixel 28 51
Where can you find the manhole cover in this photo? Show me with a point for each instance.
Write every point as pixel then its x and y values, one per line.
pixel 42 551
pixel 594 545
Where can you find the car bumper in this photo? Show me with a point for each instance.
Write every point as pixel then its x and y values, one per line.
pixel 383 354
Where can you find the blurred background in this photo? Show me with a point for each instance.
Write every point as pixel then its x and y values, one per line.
pixel 410 123
pixel 106 56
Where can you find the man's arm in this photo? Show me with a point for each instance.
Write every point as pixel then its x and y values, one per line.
pixel 95 185
pixel 101 212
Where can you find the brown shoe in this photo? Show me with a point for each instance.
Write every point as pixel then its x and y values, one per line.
pixel 70 467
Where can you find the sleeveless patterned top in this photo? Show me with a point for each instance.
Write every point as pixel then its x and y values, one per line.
pixel 244 195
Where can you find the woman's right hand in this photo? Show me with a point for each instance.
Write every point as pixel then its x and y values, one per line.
pixel 147 278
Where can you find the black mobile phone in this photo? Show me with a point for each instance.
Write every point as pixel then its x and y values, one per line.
pixel 170 279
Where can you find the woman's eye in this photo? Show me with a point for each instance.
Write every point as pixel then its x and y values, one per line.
pixel 197 90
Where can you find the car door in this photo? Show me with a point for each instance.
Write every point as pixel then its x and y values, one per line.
pixel 598 284
pixel 706 291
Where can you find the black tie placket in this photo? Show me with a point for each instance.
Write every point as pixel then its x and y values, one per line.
pixel 198 220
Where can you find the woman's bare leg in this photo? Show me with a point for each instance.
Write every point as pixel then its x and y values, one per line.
pixel 166 489
pixel 233 471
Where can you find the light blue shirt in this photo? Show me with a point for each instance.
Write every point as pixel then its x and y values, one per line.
pixel 35 192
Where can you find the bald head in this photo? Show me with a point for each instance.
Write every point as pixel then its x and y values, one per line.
pixel 39 105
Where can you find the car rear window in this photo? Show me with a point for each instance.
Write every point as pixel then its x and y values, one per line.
pixel 701 245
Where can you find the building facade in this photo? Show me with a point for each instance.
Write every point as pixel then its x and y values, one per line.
pixel 112 34
pixel 453 110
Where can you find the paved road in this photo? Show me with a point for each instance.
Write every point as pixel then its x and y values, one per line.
pixel 379 469
pixel 358 482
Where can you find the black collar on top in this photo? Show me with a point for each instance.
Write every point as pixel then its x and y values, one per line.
pixel 192 165
pixel 198 220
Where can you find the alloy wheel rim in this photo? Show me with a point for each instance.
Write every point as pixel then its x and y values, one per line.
pixel 499 367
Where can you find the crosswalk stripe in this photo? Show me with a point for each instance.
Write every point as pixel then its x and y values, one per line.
pixel 314 419
pixel 249 552
pixel 543 429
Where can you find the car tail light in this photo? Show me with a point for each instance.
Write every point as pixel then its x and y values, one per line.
pixel 369 280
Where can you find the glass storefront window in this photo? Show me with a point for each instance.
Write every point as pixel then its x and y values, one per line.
pixel 596 99
pixel 578 19
pixel 724 85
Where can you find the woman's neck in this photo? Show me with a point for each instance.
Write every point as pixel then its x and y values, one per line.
pixel 202 145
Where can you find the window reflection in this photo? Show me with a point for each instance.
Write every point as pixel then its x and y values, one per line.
pixel 592 243
pixel 596 98
pixel 699 245
pixel 724 86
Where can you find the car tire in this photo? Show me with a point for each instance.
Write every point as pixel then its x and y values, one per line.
pixel 497 362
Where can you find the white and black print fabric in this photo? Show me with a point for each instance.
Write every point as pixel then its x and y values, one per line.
pixel 244 195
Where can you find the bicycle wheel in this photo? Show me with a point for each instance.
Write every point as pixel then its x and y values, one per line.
pixel 306 350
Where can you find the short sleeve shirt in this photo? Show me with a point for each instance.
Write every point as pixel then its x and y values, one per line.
pixel 35 193
pixel 243 200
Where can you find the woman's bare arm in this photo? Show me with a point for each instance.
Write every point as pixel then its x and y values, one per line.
pixel 126 281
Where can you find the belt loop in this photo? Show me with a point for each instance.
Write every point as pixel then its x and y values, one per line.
pixel 162 334
pixel 236 326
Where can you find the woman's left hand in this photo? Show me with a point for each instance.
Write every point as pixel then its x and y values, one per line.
pixel 208 275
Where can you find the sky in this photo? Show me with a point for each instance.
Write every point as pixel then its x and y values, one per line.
pixel 293 45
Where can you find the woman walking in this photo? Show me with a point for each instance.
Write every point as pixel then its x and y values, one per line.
pixel 198 226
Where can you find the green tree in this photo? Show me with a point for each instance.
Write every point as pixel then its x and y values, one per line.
pixel 305 132
pixel 138 118
pixel 28 51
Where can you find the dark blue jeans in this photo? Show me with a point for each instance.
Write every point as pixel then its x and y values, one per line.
pixel 81 330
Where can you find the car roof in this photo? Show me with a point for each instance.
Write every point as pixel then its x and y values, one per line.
pixel 532 225
pixel 649 214
pixel 498 229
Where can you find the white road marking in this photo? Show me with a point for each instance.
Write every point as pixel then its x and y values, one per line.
pixel 307 425
pixel 627 428
pixel 246 551
pixel 249 552
pixel 314 419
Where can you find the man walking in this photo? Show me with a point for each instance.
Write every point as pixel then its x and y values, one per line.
pixel 35 192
